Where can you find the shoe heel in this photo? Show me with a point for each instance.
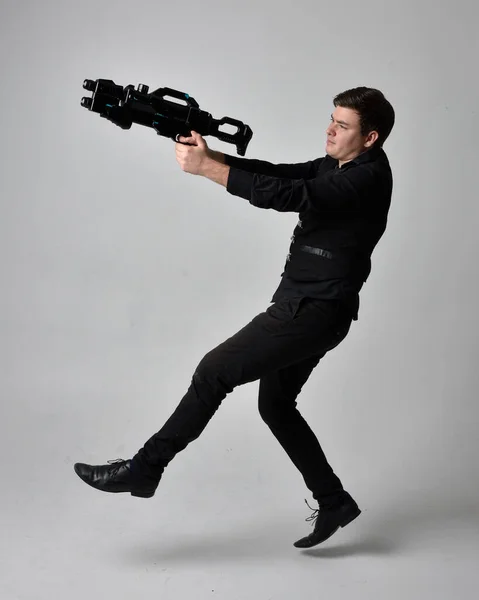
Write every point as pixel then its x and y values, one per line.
pixel 143 494
pixel 351 518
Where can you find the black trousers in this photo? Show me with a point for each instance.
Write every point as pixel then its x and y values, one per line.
pixel 279 347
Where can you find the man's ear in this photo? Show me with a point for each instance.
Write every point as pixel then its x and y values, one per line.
pixel 372 137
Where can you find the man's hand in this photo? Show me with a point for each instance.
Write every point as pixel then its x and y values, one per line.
pixel 198 159
pixel 192 159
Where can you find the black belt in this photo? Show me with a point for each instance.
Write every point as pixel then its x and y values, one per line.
pixel 319 251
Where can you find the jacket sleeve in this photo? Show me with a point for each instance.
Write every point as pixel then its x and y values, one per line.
pixel 305 170
pixel 336 190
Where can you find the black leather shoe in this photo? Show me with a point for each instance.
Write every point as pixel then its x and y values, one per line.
pixel 116 477
pixel 328 520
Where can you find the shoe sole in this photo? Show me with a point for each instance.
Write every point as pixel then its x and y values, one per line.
pixel 143 494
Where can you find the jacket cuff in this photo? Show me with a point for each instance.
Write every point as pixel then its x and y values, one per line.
pixel 233 161
pixel 240 183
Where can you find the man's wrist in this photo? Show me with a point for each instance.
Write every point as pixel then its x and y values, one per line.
pixel 216 171
pixel 218 156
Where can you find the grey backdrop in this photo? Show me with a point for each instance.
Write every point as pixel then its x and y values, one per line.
pixel 119 272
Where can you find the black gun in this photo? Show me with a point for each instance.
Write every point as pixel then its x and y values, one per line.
pixel 124 106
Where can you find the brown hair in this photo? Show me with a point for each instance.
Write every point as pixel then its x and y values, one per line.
pixel 375 112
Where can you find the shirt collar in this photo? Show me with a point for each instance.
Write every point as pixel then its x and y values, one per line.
pixel 366 156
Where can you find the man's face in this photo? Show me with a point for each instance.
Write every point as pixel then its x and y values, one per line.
pixel 345 141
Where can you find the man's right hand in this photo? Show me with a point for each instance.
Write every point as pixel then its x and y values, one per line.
pixel 186 140
pixel 215 155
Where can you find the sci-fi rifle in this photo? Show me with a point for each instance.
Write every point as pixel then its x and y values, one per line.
pixel 124 106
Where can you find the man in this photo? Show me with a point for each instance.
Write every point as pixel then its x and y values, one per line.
pixel 343 200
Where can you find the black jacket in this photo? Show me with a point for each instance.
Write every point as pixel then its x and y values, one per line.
pixel 342 215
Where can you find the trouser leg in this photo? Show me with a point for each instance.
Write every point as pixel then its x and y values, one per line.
pixel 283 335
pixel 277 405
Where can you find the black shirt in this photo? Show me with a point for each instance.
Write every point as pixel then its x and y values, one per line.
pixel 343 214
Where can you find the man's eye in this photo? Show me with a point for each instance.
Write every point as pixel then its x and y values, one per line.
pixel 342 126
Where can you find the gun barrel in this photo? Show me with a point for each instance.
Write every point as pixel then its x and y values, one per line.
pixel 89 85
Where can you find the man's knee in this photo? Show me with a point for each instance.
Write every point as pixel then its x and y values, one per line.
pixel 265 409
pixel 274 410
pixel 208 367
pixel 212 373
